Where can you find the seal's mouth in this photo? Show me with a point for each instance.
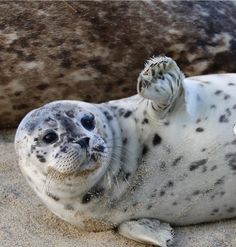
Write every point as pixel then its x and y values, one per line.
pixel 82 165
pixel 91 162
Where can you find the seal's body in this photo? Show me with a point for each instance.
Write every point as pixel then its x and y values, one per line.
pixel 166 154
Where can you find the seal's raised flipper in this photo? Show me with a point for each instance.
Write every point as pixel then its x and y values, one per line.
pixel 161 82
pixel 149 231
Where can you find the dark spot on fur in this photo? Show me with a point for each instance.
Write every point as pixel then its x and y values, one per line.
pixel 223 119
pixel 213 168
pixel 41 158
pixel 219 181
pixel 108 115
pixel 125 209
pixel 203 150
pixel 216 210
pixel 153 195
pixel 55 198
pixel 145 150
pixel 64 149
pixel 213 106
pixel 166 123
pixel 121 111
pixel 163 166
pixel 218 92
pixel 86 198
pixel 174 203
pixel 156 140
pixel 68 207
pixel 196 164
pixel 162 193
pixel 227 96
pixel 149 207
pixel 198 120
pixel 233 142
pixel 228 112
pixel 231 210
pixel 127 175
pixel 204 169
pixel 199 129
pixel 127 114
pixel 125 141
pixel 231 84
pixel 231 158
pixel 70 113
pixel 196 192
pixel 145 121
pixel 176 161
pixel 93 193
pixel 170 184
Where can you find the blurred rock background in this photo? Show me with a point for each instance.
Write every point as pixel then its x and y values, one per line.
pixel 94 50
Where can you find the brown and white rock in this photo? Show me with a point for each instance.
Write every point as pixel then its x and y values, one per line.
pixel 94 51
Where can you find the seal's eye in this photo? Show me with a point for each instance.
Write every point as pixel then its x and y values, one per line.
pixel 88 122
pixel 50 137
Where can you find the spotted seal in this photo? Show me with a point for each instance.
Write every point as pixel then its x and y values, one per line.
pixel 140 164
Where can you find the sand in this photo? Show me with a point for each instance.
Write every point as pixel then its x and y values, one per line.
pixel 25 221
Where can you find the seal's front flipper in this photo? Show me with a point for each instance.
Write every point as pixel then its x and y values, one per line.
pixel 149 231
pixel 161 82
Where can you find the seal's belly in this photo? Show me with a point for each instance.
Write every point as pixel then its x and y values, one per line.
pixel 190 167
pixel 190 183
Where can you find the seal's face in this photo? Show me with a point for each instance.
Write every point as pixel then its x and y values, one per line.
pixel 64 140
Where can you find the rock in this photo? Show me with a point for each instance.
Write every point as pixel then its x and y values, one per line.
pixel 94 50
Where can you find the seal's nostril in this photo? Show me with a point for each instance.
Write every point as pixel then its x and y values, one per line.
pixel 99 148
pixel 84 142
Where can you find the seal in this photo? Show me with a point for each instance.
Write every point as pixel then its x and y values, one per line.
pixel 165 156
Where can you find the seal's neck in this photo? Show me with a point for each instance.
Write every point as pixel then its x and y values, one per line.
pixel 124 154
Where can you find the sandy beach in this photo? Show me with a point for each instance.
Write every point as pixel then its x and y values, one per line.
pixel 25 221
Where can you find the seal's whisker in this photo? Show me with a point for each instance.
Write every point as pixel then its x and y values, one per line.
pixel 117 182
pixel 122 148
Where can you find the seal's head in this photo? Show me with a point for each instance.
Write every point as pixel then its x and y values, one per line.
pixel 65 140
